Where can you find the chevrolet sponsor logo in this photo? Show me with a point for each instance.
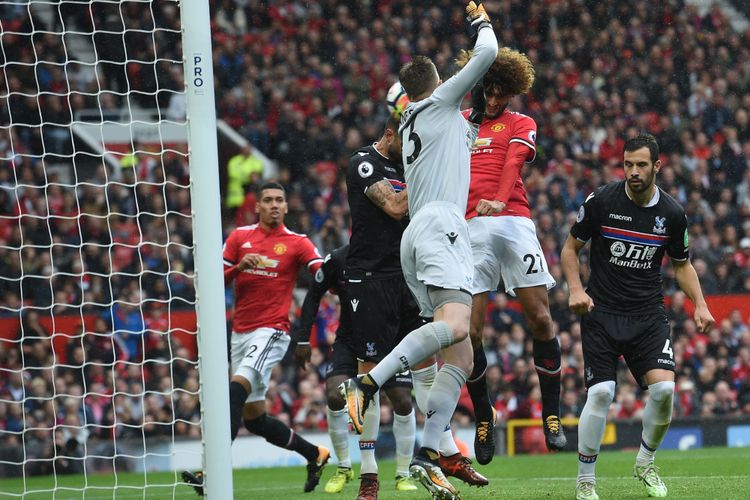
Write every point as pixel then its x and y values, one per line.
pixel 482 142
pixel 265 263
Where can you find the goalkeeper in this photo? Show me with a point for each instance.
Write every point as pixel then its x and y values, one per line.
pixel 435 251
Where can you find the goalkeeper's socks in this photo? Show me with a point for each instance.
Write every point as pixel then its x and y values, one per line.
pixel 277 433
pixel 441 403
pixel 477 387
pixel 548 368
pixel 413 349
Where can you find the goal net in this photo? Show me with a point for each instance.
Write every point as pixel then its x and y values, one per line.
pixel 99 348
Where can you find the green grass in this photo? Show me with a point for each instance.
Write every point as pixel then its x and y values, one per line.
pixel 707 473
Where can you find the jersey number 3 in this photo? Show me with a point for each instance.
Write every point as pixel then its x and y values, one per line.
pixel 414 137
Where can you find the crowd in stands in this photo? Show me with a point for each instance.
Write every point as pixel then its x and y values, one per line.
pixel 304 83
pixel 605 70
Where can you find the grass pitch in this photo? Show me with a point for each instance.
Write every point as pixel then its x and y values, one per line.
pixel 708 473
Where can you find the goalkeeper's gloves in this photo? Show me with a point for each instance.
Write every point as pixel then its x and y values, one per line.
pixel 478 103
pixel 477 16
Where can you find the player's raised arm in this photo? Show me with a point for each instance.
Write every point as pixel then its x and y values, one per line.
pixel 485 49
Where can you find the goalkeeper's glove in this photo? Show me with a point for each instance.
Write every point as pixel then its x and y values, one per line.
pixel 478 103
pixel 477 16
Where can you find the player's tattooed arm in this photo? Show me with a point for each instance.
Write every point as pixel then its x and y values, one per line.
pixel 387 199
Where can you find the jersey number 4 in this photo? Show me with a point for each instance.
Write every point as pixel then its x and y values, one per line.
pixel 536 263
pixel 414 137
pixel 668 349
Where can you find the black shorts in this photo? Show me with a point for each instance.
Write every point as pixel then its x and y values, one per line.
pixel 644 341
pixel 344 362
pixel 383 312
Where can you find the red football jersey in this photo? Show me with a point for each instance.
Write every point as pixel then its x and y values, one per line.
pixel 488 161
pixel 263 294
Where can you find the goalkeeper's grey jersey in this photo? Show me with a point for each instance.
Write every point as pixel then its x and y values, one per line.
pixel 437 139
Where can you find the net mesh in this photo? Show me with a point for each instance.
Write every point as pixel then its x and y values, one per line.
pixel 97 330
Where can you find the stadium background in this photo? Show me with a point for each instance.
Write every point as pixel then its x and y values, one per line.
pixel 304 84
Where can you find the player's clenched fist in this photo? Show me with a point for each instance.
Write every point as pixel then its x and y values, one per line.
pixel 490 207
pixel 580 302
pixel 302 353
pixel 249 260
pixel 703 318
pixel 476 14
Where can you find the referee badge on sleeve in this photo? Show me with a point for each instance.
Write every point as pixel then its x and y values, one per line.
pixel 581 214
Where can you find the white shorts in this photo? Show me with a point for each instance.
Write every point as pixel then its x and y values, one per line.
pixel 507 246
pixel 254 356
pixel 436 251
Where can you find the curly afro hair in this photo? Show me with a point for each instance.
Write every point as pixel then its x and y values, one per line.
pixel 511 74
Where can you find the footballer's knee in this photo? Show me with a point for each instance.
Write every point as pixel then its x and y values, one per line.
pixel 400 399
pixel 256 425
pixel 662 392
pixel 460 355
pixel 454 308
pixel 602 394
pixel 476 336
pixel 333 396
pixel 460 333
pixel 535 305
pixel 540 322
pixel 478 313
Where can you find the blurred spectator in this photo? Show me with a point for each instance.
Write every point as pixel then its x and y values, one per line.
pixel 240 170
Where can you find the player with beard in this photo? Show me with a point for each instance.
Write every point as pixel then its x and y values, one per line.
pixel 504 242
pixel 631 225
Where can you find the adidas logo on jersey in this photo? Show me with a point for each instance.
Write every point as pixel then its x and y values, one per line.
pixel 246 245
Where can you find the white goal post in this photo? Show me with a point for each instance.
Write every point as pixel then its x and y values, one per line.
pixel 204 174
pixel 113 346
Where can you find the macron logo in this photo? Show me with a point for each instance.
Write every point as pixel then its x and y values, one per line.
pixel 621 217
pixel 355 304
